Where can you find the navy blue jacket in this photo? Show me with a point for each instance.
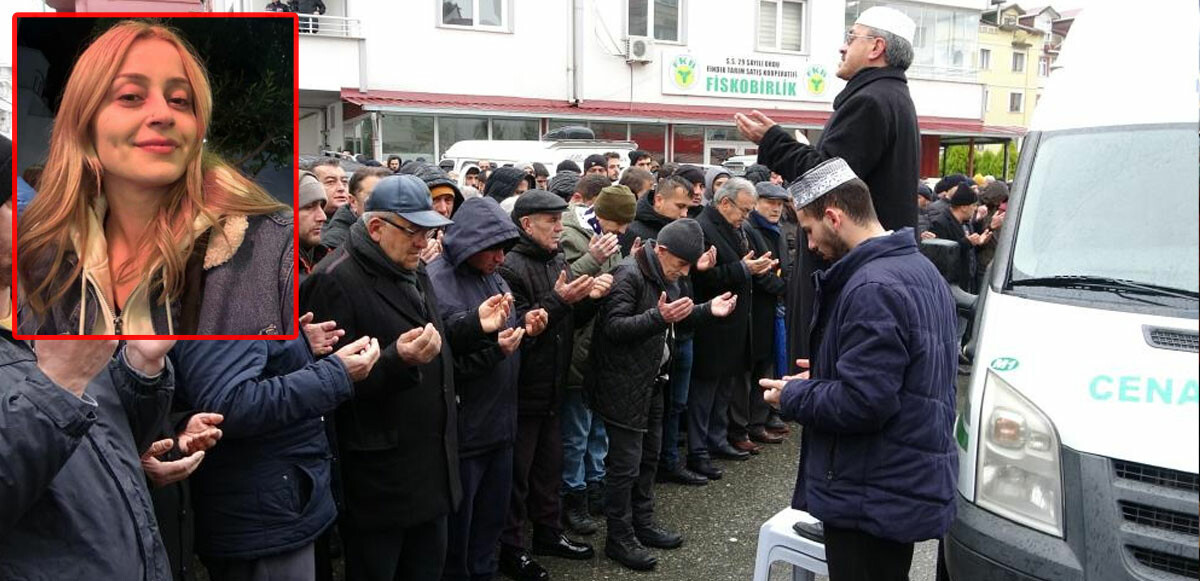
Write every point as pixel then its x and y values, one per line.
pixel 265 489
pixel 486 380
pixel 878 454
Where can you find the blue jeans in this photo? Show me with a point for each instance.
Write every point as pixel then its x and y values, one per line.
pixel 677 396
pixel 584 441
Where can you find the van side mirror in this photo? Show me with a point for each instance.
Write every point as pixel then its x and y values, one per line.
pixel 943 254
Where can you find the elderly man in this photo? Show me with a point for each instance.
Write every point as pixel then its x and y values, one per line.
pixel 540 279
pixel 633 343
pixel 335 231
pixel 878 461
pixel 669 202
pixel 721 352
pixel 749 417
pixel 590 245
pixel 873 128
pixel 397 435
pixel 465 276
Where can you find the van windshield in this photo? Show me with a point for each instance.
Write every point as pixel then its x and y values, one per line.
pixel 1118 203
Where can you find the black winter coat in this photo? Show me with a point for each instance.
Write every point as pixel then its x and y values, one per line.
pixel 398 435
pixel 723 348
pixel 874 128
pixel 646 225
pixel 769 289
pixel 945 226
pixel 627 343
pixel 531 271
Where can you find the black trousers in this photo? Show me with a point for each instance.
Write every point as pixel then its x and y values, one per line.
pixel 630 467
pixel 475 527
pixel 853 555
pixel 536 479
pixel 417 552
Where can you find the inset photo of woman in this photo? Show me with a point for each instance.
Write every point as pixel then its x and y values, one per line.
pixel 161 154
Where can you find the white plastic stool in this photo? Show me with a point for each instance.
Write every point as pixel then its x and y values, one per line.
pixel 777 541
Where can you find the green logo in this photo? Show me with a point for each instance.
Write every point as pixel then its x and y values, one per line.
pixel 816 79
pixel 684 71
pixel 1004 364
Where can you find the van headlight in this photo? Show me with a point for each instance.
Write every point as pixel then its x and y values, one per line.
pixel 1019 474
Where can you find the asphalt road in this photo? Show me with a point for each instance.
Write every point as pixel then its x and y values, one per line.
pixel 720 524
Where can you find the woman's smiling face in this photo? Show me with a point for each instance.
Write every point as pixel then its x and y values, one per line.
pixel 146 129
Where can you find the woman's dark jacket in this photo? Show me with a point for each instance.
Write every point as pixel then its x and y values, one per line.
pixel 265 490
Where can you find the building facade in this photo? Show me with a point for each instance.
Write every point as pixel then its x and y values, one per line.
pixel 669 74
pixel 1017 49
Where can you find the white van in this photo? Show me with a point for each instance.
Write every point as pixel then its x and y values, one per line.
pixel 469 153
pixel 1078 434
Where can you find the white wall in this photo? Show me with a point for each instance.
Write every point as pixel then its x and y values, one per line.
pixel 328 63
pixel 407 51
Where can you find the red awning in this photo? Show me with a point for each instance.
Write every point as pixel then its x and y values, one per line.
pixel 653 112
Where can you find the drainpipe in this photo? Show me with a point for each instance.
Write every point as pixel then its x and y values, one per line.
pixel 576 50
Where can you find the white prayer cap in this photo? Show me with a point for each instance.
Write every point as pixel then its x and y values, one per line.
pixel 819 181
pixel 888 20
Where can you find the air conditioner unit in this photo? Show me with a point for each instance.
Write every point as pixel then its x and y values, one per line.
pixel 638 49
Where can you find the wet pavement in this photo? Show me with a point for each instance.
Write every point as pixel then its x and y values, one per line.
pixel 720 524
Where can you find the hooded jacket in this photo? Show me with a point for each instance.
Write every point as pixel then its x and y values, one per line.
pixel 486 380
pixel 711 176
pixel 433 176
pixel 237 282
pixel 503 183
pixel 73 497
pixel 878 454
pixel 646 224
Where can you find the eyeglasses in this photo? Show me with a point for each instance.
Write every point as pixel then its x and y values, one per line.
pixel 743 211
pixel 850 36
pixel 424 232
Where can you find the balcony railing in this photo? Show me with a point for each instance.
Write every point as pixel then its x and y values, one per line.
pixel 330 26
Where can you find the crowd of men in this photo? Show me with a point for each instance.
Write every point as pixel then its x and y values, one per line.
pixel 523 350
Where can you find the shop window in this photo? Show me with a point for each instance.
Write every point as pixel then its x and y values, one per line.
pixel 510 129
pixel 688 144
pixel 614 131
pixel 451 130
pixel 409 136
pixel 649 138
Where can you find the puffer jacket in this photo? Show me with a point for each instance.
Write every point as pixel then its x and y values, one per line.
pixel 531 271
pixel 878 453
pixel 628 341
pixel 575 238
pixel 486 379
pixel 73 496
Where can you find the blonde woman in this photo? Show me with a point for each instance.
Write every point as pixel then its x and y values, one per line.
pixel 137 230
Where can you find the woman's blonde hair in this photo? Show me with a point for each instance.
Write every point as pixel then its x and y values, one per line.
pixel 209 189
